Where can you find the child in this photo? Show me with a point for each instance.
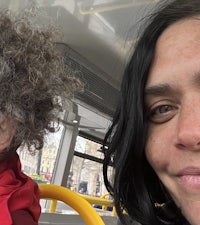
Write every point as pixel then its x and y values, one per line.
pixel 33 85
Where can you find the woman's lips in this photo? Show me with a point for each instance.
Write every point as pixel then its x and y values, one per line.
pixel 189 177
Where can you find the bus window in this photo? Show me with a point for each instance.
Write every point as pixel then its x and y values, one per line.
pixel 85 174
pixel 41 165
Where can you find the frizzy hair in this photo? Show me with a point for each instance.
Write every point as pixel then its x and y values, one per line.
pixel 34 80
pixel 134 185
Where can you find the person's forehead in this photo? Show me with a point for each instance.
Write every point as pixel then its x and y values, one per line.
pixel 177 45
pixel 179 34
pixel 180 40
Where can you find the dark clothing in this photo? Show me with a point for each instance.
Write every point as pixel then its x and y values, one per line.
pixel 136 223
pixel 129 222
pixel 168 214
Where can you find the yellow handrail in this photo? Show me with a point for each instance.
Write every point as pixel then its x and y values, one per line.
pixel 85 210
pixel 105 203
pixel 103 206
pixel 53 205
pixel 100 201
pixel 105 195
pixel 97 200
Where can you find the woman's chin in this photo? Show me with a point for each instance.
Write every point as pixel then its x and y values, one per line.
pixel 191 210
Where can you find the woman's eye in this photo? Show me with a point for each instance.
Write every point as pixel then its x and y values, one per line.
pixel 162 109
pixel 162 113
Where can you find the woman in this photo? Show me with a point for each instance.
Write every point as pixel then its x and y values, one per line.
pixel 154 141
pixel 34 82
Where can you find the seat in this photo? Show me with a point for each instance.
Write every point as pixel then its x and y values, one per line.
pixel 84 209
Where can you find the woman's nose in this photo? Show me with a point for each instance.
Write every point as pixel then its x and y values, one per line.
pixel 188 128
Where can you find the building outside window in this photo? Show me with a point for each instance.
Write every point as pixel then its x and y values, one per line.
pixel 86 173
pixel 41 165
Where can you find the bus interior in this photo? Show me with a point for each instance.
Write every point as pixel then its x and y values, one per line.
pixel 98 38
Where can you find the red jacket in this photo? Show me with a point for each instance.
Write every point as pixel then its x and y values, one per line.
pixel 22 217
pixel 19 195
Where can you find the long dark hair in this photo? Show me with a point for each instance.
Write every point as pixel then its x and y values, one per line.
pixel 135 187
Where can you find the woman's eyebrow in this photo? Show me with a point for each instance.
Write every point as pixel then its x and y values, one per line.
pixel 157 90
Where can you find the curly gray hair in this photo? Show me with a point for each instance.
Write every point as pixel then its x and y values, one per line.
pixel 33 79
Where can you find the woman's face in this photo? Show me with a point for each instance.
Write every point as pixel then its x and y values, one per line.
pixel 173 103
